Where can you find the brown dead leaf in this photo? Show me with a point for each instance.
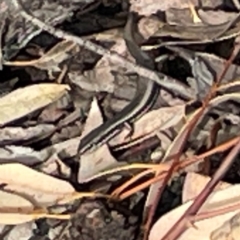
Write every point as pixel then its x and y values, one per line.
pixel 216 17
pixel 149 7
pixel 51 59
pixel 184 17
pixel 202 17
pixel 217 64
pixel 102 77
pixel 148 26
pixel 93 163
pixel 195 183
pixel 26 100
pixel 204 228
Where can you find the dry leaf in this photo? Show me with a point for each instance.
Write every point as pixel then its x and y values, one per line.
pixel 43 190
pixel 230 230
pixel 93 163
pixel 103 77
pixel 195 16
pixel 51 59
pixel 147 27
pixel 24 155
pixel 21 231
pixel 15 218
pixel 101 159
pixel 153 121
pixel 216 17
pixel 19 218
pixel 13 135
pixel 195 183
pixel 149 7
pixel 12 203
pixel 25 190
pixel 53 165
pixel 94 118
pixel 25 100
pixel 177 143
pixel 204 228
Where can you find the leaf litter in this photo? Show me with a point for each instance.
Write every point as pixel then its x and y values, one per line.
pixel 199 119
pixel 29 99
pixel 50 60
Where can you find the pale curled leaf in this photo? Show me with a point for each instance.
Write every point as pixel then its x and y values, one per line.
pixel 25 100
pixel 13 205
pixel 56 54
pixel 149 7
pixel 220 199
pixel 10 202
pixel 216 16
pixel 42 189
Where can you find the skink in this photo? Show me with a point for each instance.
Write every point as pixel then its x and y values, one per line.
pixel 147 93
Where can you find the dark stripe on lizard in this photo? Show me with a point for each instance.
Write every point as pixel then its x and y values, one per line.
pixel 147 93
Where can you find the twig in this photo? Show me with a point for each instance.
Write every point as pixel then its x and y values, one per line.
pixel 181 225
